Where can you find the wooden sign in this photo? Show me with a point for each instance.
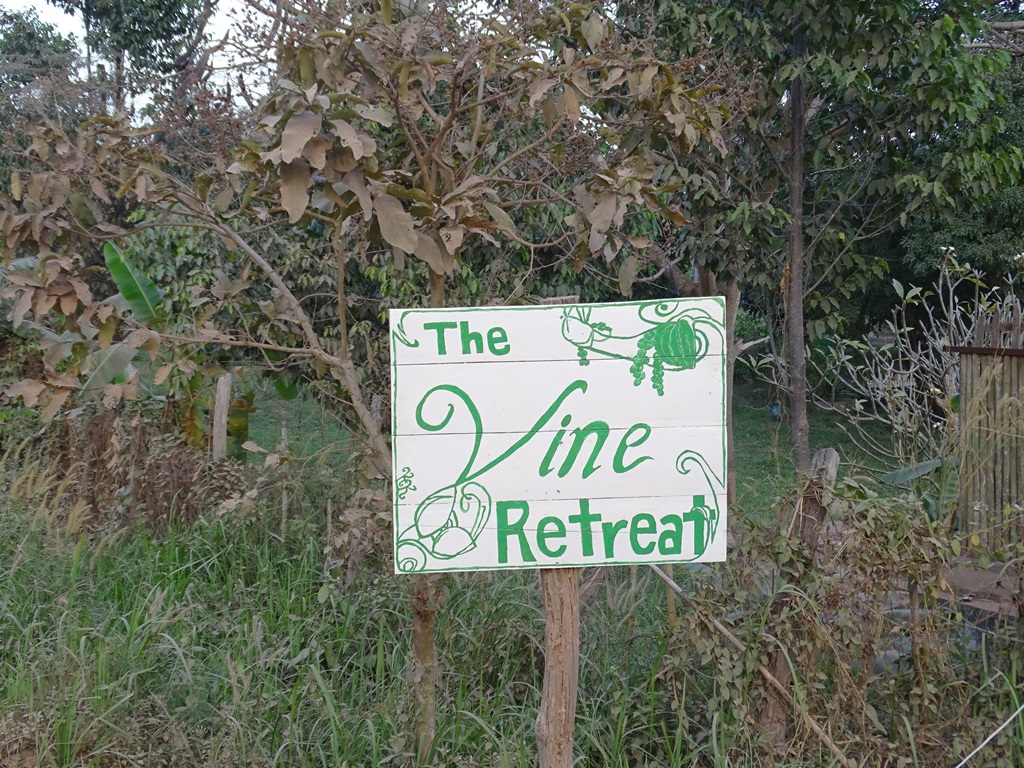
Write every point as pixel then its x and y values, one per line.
pixel 554 436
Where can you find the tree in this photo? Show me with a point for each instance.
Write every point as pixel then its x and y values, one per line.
pixel 399 138
pixel 854 102
pixel 35 65
pixel 991 236
pixel 141 41
pixel 848 136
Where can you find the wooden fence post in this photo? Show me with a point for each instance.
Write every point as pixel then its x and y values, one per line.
pixel 221 406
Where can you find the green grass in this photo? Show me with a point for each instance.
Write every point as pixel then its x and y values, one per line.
pixel 763 451
pixel 312 428
pixel 225 644
pixel 232 643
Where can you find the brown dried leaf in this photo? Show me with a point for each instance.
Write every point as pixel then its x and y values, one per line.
pixel 349 137
pixel 627 274
pixel 594 30
pixel 223 200
pixel 396 225
pixel 294 188
pixel 316 151
pixel 21 307
pixel 106 334
pixel 42 304
pixel 137 338
pixel 428 250
pixel 22 277
pixel 81 291
pixel 569 104
pixel 97 188
pixel 68 303
pixel 301 127
pixel 538 88
pixel 601 216
pixel 161 374
pixel 56 400
pixel 357 185
pixel 112 394
pixel 152 345
pixel 452 238
pixel 376 114
pixel 647 81
pixel 27 389
pixel 65 379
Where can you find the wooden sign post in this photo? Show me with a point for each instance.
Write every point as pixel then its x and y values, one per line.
pixel 558 437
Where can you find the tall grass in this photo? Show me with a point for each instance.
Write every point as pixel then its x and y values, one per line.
pixel 226 644
pixel 230 643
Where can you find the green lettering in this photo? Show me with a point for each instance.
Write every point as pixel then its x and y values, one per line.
pixel 543 535
pixel 584 519
pixel 696 516
pixel 624 443
pixel 636 531
pixel 597 428
pixel 671 541
pixel 506 529
pixel 440 328
pixel 470 338
pixel 610 531
pixel 497 341
pixel 545 465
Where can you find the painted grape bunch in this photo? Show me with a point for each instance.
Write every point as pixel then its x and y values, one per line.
pixel 677 339
pixel 674 341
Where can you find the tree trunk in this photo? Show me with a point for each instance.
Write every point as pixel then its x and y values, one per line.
pixel 119 87
pixel 794 275
pixel 556 718
pixel 424 612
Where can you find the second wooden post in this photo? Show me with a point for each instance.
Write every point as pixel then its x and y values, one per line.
pixel 557 715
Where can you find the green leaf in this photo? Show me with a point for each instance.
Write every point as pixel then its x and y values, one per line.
pixel 139 291
pixel 106 366
pixel 906 474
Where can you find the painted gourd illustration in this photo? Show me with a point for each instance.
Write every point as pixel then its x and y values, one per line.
pixel 677 339
pixel 447 524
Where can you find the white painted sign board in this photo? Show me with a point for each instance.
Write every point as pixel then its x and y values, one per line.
pixel 556 436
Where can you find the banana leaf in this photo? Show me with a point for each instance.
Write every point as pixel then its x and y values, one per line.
pixel 141 293
pixel 906 474
pixel 106 367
